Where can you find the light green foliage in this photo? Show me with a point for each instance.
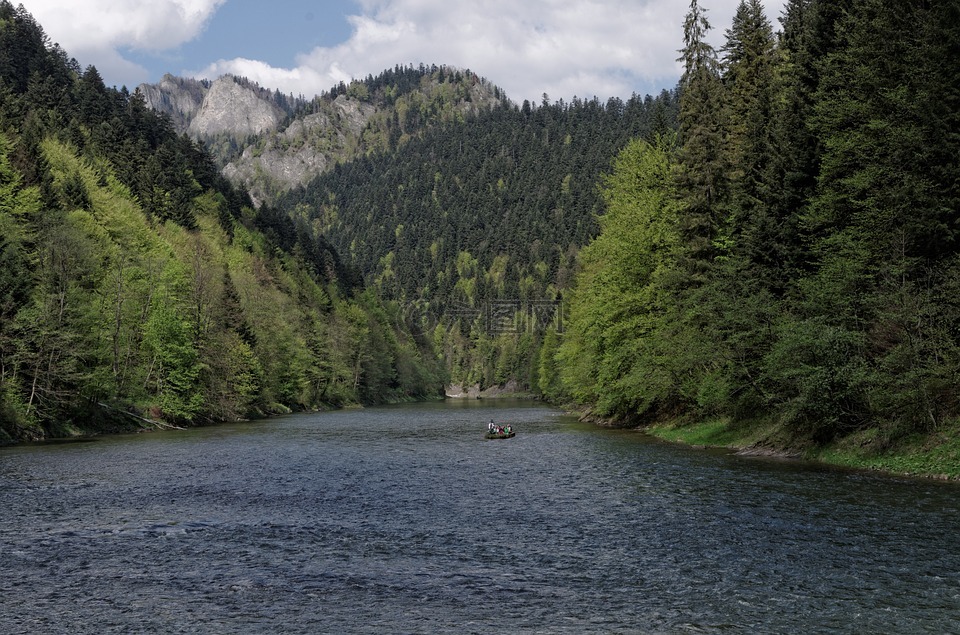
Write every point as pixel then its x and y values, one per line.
pixel 359 91
pixel 134 284
pixel 611 353
pixel 184 325
pixel 548 373
pixel 174 378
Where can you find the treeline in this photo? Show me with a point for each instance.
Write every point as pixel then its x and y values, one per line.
pixel 401 81
pixel 790 255
pixel 137 284
pixel 479 217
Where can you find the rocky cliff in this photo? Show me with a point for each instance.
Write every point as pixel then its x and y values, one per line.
pixel 178 97
pixel 269 143
pixel 309 146
pixel 204 109
pixel 231 108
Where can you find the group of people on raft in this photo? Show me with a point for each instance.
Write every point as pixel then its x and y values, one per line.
pixel 493 428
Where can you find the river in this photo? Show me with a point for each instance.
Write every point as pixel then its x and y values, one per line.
pixel 403 519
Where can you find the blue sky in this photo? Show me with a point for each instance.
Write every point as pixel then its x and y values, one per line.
pixel 562 48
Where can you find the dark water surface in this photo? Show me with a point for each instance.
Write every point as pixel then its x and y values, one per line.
pixel 405 520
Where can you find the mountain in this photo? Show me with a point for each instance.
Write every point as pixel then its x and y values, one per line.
pixel 439 191
pixel 475 226
pixel 268 142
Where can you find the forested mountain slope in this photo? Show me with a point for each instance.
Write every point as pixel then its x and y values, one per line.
pixel 488 211
pixel 442 195
pixel 138 286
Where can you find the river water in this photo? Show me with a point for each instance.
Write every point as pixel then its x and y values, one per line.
pixel 405 520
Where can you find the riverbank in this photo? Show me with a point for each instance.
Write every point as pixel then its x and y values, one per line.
pixel 508 390
pixel 95 420
pixel 935 455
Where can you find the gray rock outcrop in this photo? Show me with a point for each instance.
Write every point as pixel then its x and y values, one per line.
pixel 232 108
pixel 203 109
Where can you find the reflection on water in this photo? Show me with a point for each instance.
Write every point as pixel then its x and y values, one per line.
pixel 405 520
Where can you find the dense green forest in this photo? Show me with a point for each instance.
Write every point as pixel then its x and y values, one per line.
pixel 138 287
pixel 473 227
pixel 790 254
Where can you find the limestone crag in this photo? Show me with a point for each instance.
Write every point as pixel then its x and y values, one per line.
pixel 306 148
pixel 180 98
pixel 354 114
pixel 231 108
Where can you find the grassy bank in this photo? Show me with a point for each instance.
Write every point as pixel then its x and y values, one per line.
pixel 935 455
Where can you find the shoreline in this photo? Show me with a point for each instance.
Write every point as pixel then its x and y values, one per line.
pixel 934 456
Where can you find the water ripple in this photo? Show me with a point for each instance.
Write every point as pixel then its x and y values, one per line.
pixel 404 520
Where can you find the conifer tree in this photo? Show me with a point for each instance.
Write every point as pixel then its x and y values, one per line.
pixel 790 177
pixel 882 218
pixel 748 73
pixel 701 180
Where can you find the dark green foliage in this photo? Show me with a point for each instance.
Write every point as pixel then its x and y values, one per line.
pixel 701 173
pixel 815 274
pixel 479 211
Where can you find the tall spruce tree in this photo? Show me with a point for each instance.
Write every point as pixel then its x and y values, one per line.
pixel 791 173
pixel 730 311
pixel 748 72
pixel 701 178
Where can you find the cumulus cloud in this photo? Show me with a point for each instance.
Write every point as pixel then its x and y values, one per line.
pixel 562 48
pixel 96 31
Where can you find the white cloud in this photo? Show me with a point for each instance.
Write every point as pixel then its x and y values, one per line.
pixel 94 31
pixel 559 47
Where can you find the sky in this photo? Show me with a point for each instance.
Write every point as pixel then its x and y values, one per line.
pixel 529 48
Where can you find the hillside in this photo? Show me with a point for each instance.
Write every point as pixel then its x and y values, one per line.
pixel 786 267
pixel 477 224
pixel 139 288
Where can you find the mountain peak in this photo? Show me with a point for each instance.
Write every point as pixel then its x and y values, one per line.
pixel 269 142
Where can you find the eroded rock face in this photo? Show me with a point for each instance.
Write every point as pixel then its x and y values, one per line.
pixel 178 97
pixel 307 147
pixel 229 107
pixel 356 114
pixel 203 108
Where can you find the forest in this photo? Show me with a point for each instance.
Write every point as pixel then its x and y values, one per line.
pixel 468 216
pixel 139 288
pixel 789 254
pixel 771 243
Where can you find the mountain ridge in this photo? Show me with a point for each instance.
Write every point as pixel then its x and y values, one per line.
pixel 268 142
